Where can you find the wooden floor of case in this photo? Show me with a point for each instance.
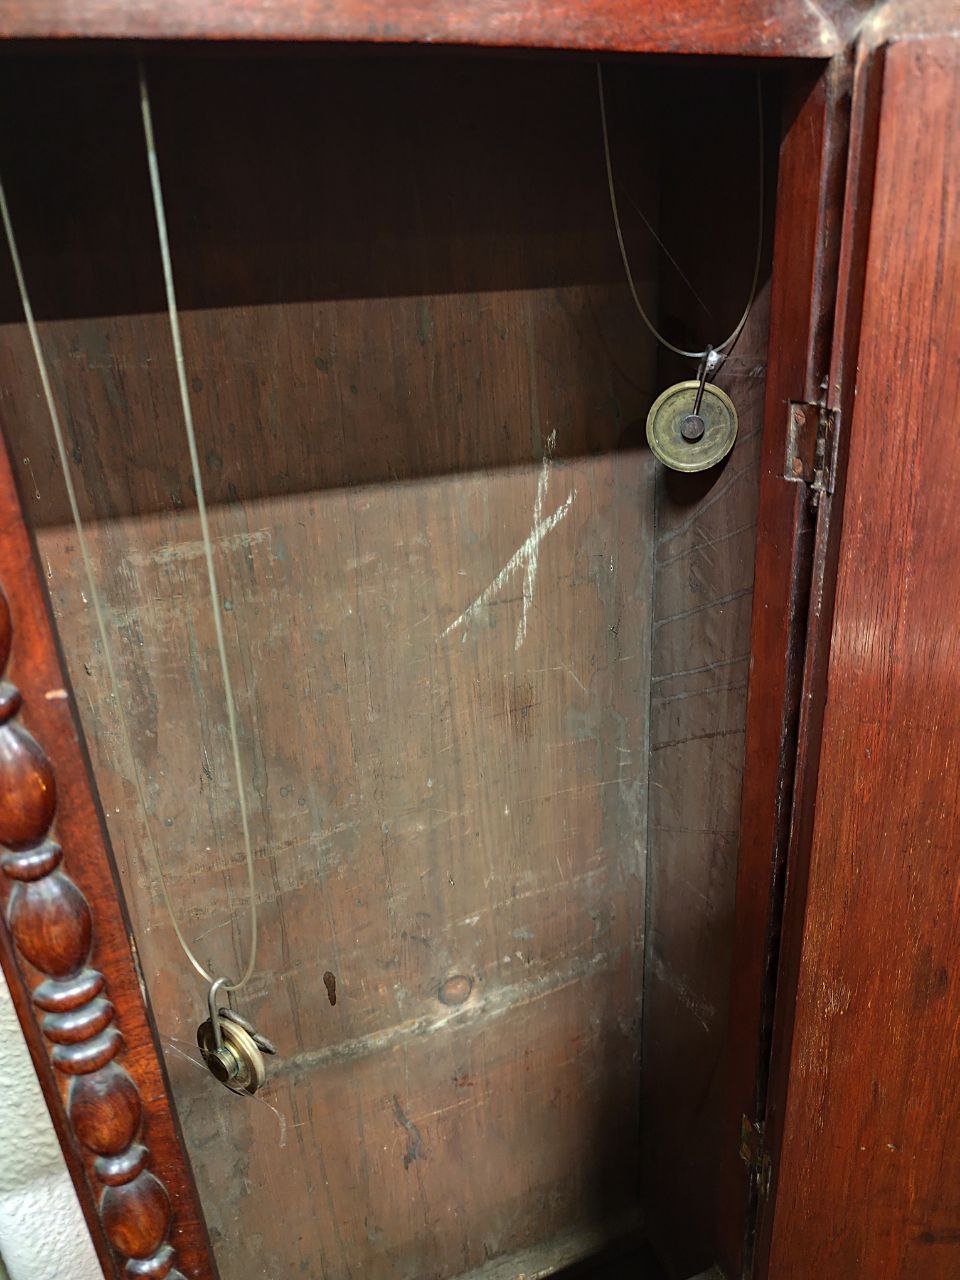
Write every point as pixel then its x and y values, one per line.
pixel 637 1263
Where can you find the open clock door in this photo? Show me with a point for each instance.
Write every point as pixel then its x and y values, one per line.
pixel 862 1118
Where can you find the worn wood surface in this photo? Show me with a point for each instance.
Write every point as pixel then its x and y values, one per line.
pixel 840 395
pixel 64 917
pixel 869 1174
pixel 806 244
pixel 705 539
pixel 784 29
pixel 416 377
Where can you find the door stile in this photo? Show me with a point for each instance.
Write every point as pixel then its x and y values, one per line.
pixel 838 406
pixel 807 248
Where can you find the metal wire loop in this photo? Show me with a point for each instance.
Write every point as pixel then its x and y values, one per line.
pixel 721 349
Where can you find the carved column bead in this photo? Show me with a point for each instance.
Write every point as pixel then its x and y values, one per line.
pixel 48 915
pixel 26 784
pixel 136 1215
pixel 53 929
pixel 105 1110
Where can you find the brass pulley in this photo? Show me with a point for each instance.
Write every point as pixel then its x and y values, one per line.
pixel 692 425
pixel 232 1048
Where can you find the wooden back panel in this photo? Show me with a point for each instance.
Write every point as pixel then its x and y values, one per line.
pixel 415 369
pixel 419 386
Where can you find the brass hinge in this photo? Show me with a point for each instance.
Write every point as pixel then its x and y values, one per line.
pixel 811 451
pixel 754 1154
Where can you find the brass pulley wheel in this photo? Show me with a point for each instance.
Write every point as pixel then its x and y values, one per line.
pixel 232 1048
pixel 238 1063
pixel 686 436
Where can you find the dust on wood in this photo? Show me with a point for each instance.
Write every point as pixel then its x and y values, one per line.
pixel 409 346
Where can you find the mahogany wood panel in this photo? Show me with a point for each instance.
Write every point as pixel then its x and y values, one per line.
pixel 785 28
pixel 63 913
pixel 418 383
pixel 869 1180
pixel 861 169
pixel 806 246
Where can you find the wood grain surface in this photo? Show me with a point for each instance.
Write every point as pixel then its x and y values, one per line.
pixel 705 536
pixel 415 373
pixel 869 1174
pixel 331 512
pixel 420 386
pixel 785 29
pixel 866 96
pixel 806 244
pixel 63 913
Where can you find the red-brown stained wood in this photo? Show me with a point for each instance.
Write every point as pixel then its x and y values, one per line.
pixel 869 1180
pixel 105 1109
pixel 64 914
pixel 522 709
pixel 805 250
pixel 51 926
pixel 866 97
pixel 784 29
pixel 27 787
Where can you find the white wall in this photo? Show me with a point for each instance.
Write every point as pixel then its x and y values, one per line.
pixel 43 1235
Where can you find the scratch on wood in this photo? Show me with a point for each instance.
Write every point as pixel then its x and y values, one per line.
pixel 718 495
pixel 572 674
pixel 707 544
pixel 699 693
pixel 526 556
pixel 708 604
pixel 701 1009
pixel 696 671
pixel 179 551
pixel 697 737
pixel 213 928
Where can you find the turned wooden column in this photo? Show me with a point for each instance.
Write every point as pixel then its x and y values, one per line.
pixel 52 927
pixel 70 966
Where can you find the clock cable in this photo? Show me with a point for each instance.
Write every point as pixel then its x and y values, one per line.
pixel 237 1054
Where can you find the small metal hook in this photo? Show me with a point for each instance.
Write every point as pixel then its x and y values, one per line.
pixel 215 1012
pixel 231 1046
pixel 705 366
pixel 692 425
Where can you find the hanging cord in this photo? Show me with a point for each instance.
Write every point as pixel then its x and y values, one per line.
pixel 712 354
pixel 158 209
pixel 91 579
